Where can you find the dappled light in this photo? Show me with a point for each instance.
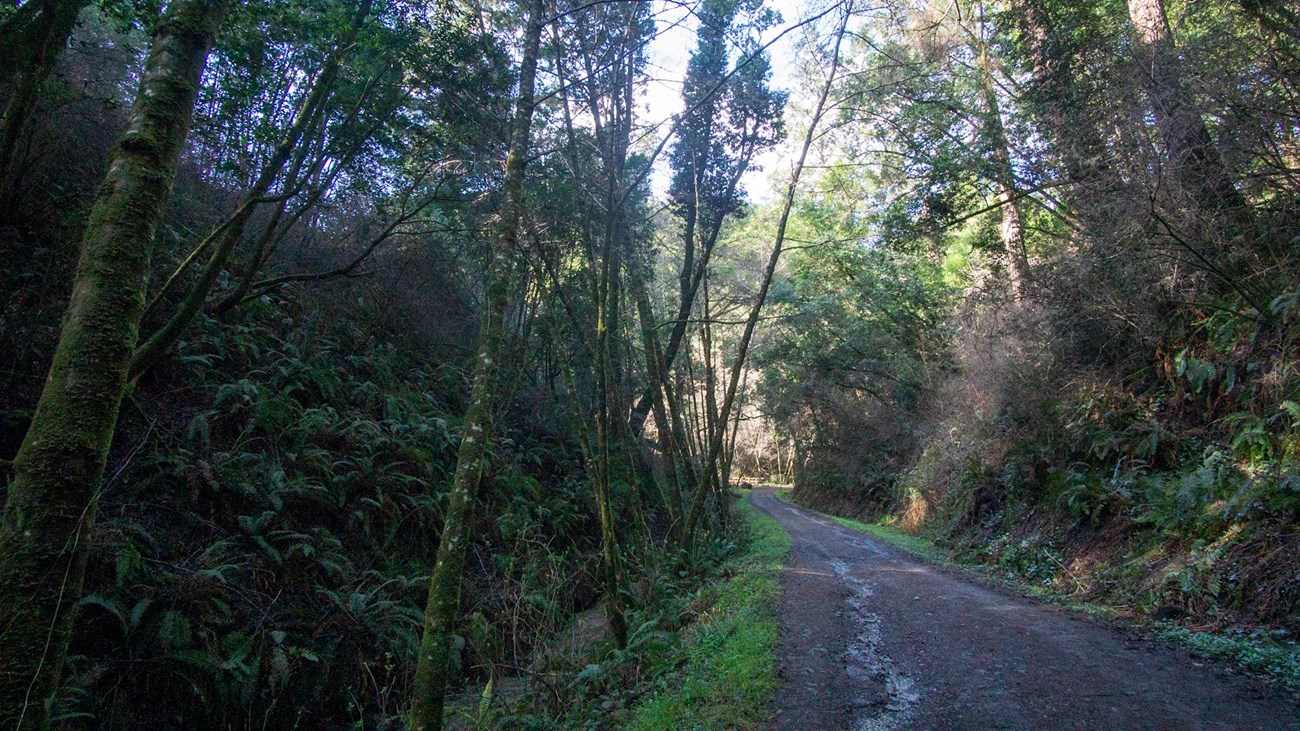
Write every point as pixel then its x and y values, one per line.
pixel 408 366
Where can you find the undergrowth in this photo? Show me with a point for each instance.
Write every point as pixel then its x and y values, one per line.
pixel 729 674
pixel 265 536
pixel 1270 654
pixel 701 654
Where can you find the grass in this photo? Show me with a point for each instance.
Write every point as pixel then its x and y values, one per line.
pixel 1263 653
pixel 915 545
pixel 729 676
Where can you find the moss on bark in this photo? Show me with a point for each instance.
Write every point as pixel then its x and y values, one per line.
pixel 433 667
pixel 54 490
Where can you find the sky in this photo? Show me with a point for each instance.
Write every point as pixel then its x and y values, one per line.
pixel 667 59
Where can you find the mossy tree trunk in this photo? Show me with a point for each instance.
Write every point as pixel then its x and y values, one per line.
pixel 730 452
pixel 231 231
pixel 433 667
pixel 606 456
pixel 54 490
pixel 613 458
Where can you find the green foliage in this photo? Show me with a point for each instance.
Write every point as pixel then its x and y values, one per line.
pixel 1087 496
pixel 311 464
pixel 728 675
pixel 916 545
pixel 1270 653
pixel 700 651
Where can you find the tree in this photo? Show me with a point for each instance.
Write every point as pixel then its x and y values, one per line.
pixel 1003 174
pixel 713 450
pixel 731 116
pixel 1060 97
pixel 433 666
pixel 230 232
pixel 1218 208
pixel 53 494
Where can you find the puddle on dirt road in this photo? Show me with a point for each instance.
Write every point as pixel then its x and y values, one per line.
pixel 893 696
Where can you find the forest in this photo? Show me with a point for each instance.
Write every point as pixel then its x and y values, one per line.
pixel 385 364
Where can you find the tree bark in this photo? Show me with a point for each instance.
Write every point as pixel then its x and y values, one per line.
pixel 1198 169
pixel 31 41
pixel 433 667
pixel 53 494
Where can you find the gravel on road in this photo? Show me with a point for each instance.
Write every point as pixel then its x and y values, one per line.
pixel 873 639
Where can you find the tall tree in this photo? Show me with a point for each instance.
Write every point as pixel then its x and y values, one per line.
pixel 1003 173
pixel 433 667
pixel 53 494
pixel 1198 169
pixel 712 452
pixel 730 117
pixel 1060 98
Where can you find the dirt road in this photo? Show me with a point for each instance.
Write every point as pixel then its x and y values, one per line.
pixel 872 639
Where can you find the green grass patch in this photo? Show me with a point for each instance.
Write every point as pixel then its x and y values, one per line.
pixel 915 545
pixel 1270 654
pixel 729 676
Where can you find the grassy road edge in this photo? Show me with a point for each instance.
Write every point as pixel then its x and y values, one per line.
pixel 729 678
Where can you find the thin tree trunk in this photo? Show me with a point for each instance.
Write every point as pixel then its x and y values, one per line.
pixel 690 286
pixel 714 449
pixel 273 234
pixel 730 452
pixel 433 667
pixel 654 374
pixel 608 416
pixel 611 428
pixel 149 352
pixel 605 444
pixel 54 491
pixel 713 421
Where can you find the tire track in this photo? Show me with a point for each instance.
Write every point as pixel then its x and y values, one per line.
pixel 874 640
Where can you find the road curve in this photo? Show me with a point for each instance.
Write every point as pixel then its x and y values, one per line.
pixel 874 640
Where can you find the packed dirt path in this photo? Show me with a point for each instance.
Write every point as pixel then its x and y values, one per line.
pixel 873 639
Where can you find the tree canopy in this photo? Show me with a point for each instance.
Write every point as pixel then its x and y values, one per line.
pixel 360 352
